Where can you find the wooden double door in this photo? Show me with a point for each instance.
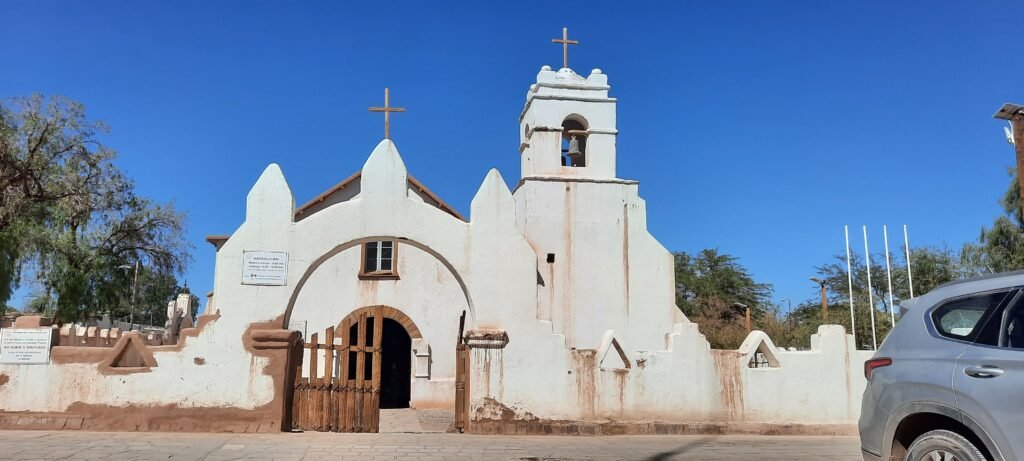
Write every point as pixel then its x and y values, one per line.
pixel 340 389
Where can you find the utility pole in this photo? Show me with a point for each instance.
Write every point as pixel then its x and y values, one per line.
pixel 746 317
pixel 1014 113
pixel 135 286
pixel 789 311
pixel 824 298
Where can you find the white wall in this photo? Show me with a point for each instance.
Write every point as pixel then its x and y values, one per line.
pixel 229 377
pixel 688 382
pixel 609 272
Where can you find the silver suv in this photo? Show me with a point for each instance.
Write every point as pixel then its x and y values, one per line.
pixel 948 382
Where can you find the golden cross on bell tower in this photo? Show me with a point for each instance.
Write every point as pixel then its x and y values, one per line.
pixel 565 46
pixel 387 109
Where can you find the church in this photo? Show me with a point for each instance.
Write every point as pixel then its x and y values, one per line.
pixel 550 309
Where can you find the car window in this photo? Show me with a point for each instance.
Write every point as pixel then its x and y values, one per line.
pixel 963 318
pixel 1011 326
pixel 1015 332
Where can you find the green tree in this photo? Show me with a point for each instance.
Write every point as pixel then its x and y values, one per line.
pixel 1000 248
pixel 711 286
pixel 72 213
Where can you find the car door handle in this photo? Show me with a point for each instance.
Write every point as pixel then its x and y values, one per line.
pixel 983 371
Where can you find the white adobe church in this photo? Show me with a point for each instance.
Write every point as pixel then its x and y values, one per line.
pixel 567 304
pixel 562 270
pixel 565 260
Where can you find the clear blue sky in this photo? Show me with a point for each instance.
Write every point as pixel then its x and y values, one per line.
pixel 760 128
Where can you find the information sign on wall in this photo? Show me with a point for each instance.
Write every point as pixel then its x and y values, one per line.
pixel 264 268
pixel 25 346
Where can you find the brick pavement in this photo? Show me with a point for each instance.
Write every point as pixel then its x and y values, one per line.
pixel 27 445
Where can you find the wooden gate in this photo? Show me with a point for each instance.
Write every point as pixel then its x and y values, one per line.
pixel 343 395
pixel 461 371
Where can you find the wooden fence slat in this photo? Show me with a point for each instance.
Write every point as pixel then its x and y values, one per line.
pixel 345 408
pixel 378 335
pixel 328 380
pixel 314 394
pixel 461 378
pixel 460 387
pixel 324 398
pixel 357 421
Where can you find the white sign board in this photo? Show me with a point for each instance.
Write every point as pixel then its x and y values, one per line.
pixel 25 346
pixel 264 267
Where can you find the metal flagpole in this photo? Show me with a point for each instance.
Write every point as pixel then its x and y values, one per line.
pixel 849 279
pixel 906 245
pixel 888 274
pixel 871 297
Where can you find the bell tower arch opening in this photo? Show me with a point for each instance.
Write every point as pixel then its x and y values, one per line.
pixel 574 141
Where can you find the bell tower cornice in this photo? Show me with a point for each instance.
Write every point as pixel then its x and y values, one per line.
pixel 568 126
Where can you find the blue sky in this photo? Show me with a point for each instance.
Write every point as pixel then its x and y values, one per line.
pixel 760 128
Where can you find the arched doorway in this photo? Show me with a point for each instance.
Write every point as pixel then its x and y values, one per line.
pixel 395 366
pixel 366 365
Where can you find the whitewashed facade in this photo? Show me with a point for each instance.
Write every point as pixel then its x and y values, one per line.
pixel 562 264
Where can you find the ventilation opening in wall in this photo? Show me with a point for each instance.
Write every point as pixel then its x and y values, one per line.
pixel 551 258
pixel 758 360
pixel 763 357
pixel 131 353
pixel 614 357
pixel 574 142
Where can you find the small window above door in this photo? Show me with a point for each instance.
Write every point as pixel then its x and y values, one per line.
pixel 379 260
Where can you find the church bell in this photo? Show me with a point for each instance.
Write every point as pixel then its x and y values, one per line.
pixel 574 148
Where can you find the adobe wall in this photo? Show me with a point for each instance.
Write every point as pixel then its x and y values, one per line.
pixel 223 375
pixel 608 272
pixel 688 388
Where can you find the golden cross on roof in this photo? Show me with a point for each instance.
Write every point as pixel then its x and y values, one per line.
pixel 565 45
pixel 387 109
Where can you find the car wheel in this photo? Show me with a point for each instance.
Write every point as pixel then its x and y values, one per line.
pixel 943 445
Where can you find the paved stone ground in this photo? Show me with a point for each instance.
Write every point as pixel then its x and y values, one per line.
pixel 435 420
pixel 408 420
pixel 110 446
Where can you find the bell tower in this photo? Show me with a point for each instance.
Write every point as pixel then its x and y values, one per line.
pixel 587 226
pixel 567 128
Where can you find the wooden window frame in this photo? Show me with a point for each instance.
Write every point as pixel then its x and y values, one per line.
pixel 379 275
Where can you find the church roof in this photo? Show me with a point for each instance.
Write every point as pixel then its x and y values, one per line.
pixel 432 198
pixel 310 207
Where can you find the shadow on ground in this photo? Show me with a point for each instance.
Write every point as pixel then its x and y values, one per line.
pixel 666 455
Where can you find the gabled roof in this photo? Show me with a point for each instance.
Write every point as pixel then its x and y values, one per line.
pixel 305 210
pixel 413 183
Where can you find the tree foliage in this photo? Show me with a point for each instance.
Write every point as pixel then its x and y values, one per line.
pixel 71 213
pixel 712 288
pixel 1000 248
